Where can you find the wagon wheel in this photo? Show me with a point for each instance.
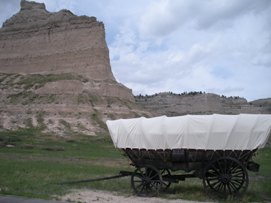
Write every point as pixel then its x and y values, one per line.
pixel 146 181
pixel 165 174
pixel 225 177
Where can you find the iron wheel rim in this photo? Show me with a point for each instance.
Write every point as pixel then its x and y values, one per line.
pixel 225 177
pixel 146 182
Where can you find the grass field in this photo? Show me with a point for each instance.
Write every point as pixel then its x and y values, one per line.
pixel 32 165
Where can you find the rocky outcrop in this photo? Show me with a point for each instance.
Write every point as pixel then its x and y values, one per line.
pixel 35 41
pixel 171 104
pixel 55 74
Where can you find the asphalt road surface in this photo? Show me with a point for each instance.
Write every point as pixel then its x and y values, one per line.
pixel 12 199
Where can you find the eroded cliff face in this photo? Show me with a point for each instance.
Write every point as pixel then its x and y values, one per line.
pixel 171 104
pixel 35 41
pixel 55 73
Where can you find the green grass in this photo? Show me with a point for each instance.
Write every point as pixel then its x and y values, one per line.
pixel 28 97
pixel 37 162
pixel 260 182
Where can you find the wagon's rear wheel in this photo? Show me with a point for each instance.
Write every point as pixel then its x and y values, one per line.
pixel 225 177
pixel 146 181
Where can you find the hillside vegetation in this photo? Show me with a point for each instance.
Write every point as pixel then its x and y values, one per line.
pixel 59 104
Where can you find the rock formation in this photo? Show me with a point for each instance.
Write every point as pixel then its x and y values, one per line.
pixel 171 104
pixel 35 41
pixel 55 74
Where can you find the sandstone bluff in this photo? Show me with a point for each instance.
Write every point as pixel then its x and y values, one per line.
pixel 35 41
pixel 55 73
pixel 55 76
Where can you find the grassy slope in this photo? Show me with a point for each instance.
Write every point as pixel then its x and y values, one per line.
pixel 37 162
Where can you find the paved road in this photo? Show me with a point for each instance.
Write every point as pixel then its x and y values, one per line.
pixel 12 199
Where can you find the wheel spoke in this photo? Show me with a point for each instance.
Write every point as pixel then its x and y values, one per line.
pixel 153 176
pixel 217 172
pixel 212 178
pixel 229 188
pixel 225 176
pixel 144 188
pixel 237 181
pixel 234 188
pixel 215 185
pixel 165 184
pixel 140 185
pixel 234 169
pixel 224 189
pixel 230 166
pixel 163 172
pixel 215 182
pixel 239 175
pixel 146 181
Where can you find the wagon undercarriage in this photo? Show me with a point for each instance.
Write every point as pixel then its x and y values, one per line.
pixel 224 173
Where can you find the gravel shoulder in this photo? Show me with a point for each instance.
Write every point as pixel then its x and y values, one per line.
pixel 90 196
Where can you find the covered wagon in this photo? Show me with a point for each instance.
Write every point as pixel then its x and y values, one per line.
pixel 216 148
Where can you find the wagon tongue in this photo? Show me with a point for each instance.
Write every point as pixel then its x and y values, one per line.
pixel 121 175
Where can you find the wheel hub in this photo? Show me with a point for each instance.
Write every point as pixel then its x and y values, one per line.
pixel 225 178
pixel 147 180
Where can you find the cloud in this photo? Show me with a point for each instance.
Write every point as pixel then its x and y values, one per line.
pixel 166 16
pixel 194 60
pixel 227 11
pixel 263 59
pixel 177 45
pixel 162 18
pixel 263 56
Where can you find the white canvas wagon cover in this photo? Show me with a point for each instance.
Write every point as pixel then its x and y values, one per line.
pixel 207 132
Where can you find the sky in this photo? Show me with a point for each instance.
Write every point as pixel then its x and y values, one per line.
pixel 215 46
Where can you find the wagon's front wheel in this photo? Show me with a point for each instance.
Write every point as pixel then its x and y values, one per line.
pixel 146 181
pixel 225 177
